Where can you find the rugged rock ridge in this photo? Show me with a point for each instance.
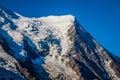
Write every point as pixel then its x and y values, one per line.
pixel 53 47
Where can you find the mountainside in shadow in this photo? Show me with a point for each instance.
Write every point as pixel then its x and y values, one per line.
pixel 51 48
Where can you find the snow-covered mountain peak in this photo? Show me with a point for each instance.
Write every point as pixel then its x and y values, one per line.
pixel 40 28
pixel 53 34
pixel 60 22
pixel 53 47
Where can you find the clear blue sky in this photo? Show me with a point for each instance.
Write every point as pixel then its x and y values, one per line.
pixel 101 18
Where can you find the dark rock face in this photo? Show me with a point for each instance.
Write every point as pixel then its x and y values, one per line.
pixel 115 65
pixel 30 48
pixel 8 75
pixel 43 59
pixel 27 74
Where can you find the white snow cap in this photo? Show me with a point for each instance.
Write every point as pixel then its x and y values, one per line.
pixel 55 19
pixel 39 28
pixel 64 20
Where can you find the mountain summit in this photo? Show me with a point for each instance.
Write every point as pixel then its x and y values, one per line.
pixel 51 48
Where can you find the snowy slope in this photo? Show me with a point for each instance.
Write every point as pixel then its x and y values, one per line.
pixel 49 35
pixel 53 47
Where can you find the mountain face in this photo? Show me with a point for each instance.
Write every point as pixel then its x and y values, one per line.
pixel 51 48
